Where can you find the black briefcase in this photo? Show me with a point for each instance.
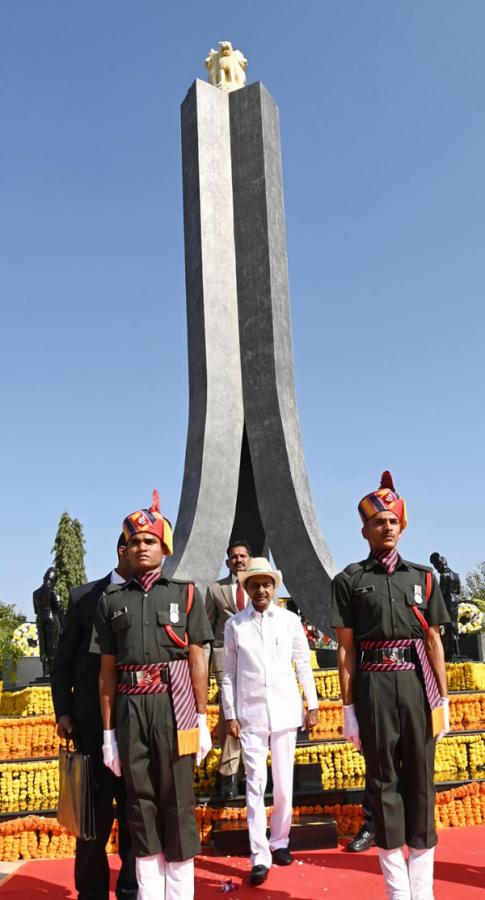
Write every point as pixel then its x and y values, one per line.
pixel 76 796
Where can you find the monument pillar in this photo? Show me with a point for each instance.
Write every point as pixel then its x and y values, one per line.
pixel 245 473
pixel 270 408
pixel 216 418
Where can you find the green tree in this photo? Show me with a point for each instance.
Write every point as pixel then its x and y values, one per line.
pixel 474 589
pixel 68 553
pixel 10 619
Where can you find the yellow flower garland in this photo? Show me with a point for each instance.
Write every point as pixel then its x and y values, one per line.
pixel 38 837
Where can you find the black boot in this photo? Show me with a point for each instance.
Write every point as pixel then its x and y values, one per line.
pixel 362 840
pixel 228 787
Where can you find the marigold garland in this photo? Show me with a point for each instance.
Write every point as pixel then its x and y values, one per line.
pixel 30 732
pixel 466 676
pixel 27 738
pixel 31 701
pixel 28 786
pixel 39 837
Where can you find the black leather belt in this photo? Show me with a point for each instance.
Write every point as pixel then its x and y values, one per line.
pixel 139 677
pixel 384 655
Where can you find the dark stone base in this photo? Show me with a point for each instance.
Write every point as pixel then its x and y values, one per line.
pixel 19 673
pixel 468 644
pixel 307 833
pixel 307 779
pixel 326 659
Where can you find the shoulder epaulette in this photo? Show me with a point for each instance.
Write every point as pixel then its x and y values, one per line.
pixel 112 588
pixel 354 567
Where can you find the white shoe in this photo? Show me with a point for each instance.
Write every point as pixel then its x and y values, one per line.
pixel 395 872
pixel 420 869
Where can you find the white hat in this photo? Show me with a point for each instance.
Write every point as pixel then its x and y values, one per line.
pixel 259 565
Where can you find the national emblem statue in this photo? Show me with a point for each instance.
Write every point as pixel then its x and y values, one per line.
pixel 227 67
pixel 450 588
pixel 49 618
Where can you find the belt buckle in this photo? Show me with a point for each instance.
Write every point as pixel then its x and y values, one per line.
pixel 144 679
pixel 389 655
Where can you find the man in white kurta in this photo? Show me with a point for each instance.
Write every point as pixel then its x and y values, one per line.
pixel 263 707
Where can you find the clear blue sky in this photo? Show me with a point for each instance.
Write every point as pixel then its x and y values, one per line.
pixel 382 108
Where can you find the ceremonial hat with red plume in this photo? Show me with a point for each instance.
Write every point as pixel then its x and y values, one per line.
pixel 150 521
pixel 385 499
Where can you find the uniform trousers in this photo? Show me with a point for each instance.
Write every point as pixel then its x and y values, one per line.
pixel 159 783
pixel 399 749
pixel 231 747
pixel 161 880
pixel 91 868
pixel 255 752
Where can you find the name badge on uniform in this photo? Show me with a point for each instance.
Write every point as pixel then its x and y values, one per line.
pixel 418 594
pixel 119 612
pixel 174 613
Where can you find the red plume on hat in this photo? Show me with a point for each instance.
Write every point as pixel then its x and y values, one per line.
pixel 155 507
pixel 387 482
pixel 384 499
pixel 150 521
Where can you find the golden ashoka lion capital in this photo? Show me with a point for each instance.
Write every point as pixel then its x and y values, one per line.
pixel 226 67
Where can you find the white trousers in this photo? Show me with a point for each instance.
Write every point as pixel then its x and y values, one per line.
pixel 395 871
pixel 420 868
pixel 255 751
pixel 161 880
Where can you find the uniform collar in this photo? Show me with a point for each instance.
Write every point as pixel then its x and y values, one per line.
pixel 372 563
pixel 115 578
pixel 133 582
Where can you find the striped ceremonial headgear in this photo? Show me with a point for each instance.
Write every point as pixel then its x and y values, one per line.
pixel 150 521
pixel 384 499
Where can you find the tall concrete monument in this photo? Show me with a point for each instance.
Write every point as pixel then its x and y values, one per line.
pixel 245 473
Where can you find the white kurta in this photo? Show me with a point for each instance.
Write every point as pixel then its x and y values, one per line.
pixel 260 690
pixel 259 686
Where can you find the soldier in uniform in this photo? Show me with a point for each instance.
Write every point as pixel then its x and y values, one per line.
pixel 387 614
pixel 49 619
pixel 153 692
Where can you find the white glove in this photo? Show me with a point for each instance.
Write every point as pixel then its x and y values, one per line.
pixel 205 739
pixel 111 756
pixel 351 726
pixel 445 702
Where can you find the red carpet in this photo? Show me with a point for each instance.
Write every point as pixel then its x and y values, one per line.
pixel 459 873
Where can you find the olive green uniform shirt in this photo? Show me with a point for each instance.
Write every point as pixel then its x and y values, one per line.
pixel 130 622
pixel 378 606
